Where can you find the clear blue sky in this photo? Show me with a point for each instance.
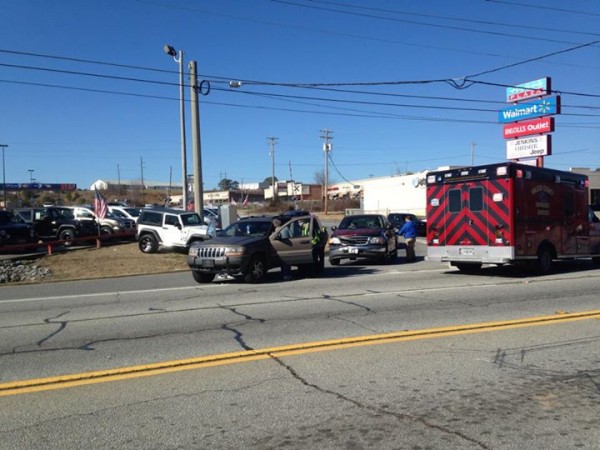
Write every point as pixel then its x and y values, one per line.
pixel 75 122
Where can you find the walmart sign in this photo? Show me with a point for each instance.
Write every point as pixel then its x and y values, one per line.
pixel 529 110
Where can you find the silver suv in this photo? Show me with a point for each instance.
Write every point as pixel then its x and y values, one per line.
pixel 109 225
pixel 171 228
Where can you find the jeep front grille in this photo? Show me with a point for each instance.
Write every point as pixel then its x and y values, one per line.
pixel 211 252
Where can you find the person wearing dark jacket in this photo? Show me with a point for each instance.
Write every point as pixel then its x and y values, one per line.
pixel 409 231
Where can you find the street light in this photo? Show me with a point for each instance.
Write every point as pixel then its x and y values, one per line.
pixel 31 174
pixel 169 50
pixel 4 173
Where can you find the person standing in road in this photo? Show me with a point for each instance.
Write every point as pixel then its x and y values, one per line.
pixel 409 231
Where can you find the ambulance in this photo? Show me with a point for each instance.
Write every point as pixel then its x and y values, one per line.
pixel 509 213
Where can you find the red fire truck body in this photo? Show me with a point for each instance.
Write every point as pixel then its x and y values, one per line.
pixel 509 213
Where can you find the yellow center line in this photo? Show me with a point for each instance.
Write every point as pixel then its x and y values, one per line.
pixel 78 379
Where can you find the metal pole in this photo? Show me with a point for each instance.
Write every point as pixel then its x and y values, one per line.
pixel 4 146
pixel 169 50
pixel 182 125
pixel 197 156
pixel 273 141
pixel 326 135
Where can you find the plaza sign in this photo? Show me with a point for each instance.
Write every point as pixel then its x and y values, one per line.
pixel 529 127
pixel 523 111
pixel 529 147
pixel 536 88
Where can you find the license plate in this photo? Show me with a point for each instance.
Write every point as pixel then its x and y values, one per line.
pixel 353 250
pixel 208 263
pixel 466 251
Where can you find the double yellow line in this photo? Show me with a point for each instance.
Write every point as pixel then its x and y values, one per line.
pixel 124 373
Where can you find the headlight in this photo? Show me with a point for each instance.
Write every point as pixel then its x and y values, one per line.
pixel 235 251
pixel 377 240
pixel 334 241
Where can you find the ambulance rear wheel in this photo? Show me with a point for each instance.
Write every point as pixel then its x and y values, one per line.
pixel 544 261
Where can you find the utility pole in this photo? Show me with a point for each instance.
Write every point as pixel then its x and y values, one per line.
pixel 473 144
pixel 142 172
pixel 272 141
pixel 326 135
pixel 4 147
pixel 197 156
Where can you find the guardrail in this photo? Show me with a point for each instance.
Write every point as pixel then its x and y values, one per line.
pixel 51 246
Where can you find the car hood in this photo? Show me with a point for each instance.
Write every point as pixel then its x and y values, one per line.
pixel 359 232
pixel 222 241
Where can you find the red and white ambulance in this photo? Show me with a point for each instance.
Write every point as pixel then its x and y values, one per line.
pixel 509 213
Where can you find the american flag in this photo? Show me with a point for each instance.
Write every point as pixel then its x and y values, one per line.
pixel 100 206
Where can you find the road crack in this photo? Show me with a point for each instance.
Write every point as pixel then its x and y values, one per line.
pixel 374 409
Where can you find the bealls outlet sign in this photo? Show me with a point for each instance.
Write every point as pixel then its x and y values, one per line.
pixel 529 127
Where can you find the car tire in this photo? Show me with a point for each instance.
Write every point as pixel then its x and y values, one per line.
pixel 256 271
pixel 67 236
pixel 201 277
pixel 148 244
pixel 334 262
pixel 106 230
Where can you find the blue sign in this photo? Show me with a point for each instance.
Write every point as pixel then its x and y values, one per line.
pixel 524 111
pixel 536 88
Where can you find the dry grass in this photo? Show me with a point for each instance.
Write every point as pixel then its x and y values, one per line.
pixel 111 261
pixel 120 260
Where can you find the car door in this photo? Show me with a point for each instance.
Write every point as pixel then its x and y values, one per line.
pixel 297 248
pixel 172 230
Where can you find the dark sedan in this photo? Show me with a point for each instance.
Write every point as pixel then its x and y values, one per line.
pixel 363 236
pixel 14 231
pixel 397 219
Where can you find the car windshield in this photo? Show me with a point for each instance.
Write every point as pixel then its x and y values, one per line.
pixel 191 220
pixel 352 223
pixel 398 219
pixel 247 228
pixel 133 212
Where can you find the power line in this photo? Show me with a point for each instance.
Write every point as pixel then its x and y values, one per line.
pixel 537 6
pixel 577 47
pixel 426 24
pixel 319 86
pixel 457 19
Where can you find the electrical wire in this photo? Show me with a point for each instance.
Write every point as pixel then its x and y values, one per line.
pixel 425 24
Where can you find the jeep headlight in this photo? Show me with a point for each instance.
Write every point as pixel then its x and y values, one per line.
pixel 377 240
pixel 235 251
pixel 334 241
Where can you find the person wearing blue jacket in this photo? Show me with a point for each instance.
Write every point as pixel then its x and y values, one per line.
pixel 409 231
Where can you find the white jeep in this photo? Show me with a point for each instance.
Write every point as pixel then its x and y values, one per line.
pixel 170 228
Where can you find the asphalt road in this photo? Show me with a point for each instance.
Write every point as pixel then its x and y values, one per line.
pixel 368 356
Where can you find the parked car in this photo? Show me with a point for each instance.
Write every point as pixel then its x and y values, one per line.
pixel 363 236
pixel 170 228
pixel 57 223
pixel 124 212
pixel 397 219
pixel 108 225
pixel 14 231
pixel 252 246
pixel 296 213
